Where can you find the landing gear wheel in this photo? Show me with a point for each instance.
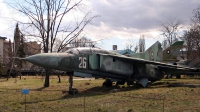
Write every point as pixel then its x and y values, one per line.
pixel 107 83
pixel 120 83
pixel 130 83
pixel 178 76
pixel 169 76
pixel 73 91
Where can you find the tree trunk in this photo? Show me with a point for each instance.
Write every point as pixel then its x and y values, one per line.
pixel 46 83
pixel 59 80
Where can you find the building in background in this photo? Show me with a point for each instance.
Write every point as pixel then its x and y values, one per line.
pixel 114 47
pixel 6 52
pixel 32 48
pixel 8 49
pixel 2 40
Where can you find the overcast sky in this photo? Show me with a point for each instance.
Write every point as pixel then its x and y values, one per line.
pixel 121 19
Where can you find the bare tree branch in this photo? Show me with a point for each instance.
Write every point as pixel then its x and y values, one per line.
pixel 47 18
pixel 170 31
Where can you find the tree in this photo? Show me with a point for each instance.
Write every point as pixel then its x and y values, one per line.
pixel 130 44
pixel 82 42
pixel 170 31
pixel 56 44
pixel 10 53
pixel 14 53
pixel 20 51
pixel 195 20
pixel 15 64
pixel 49 19
pixel 141 44
pixel 136 47
pixel 192 39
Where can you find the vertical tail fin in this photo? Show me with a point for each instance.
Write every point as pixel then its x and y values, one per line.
pixel 154 52
pixel 170 54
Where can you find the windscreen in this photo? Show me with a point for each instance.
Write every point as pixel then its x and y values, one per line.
pixel 72 51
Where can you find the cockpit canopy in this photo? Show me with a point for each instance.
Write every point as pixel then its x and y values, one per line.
pixel 86 50
pixel 72 51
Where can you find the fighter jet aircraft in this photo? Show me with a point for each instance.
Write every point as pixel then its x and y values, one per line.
pixel 95 62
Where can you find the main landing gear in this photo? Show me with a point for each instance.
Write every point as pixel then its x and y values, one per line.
pixel 107 83
pixel 72 91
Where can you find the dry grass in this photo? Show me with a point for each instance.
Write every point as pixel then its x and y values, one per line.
pixel 170 95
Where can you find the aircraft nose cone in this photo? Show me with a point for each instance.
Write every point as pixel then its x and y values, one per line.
pixel 47 60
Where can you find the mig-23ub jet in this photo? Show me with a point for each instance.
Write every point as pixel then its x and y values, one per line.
pixel 99 63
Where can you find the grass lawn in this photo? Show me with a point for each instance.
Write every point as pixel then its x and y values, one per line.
pixel 168 95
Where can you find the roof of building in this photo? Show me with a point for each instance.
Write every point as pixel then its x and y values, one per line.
pixel 3 37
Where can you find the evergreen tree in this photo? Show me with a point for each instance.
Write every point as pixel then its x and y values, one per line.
pixel 21 52
pixel 10 54
pixel 19 47
pixel 17 37
pixel 141 44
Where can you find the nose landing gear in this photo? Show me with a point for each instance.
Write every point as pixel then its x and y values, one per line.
pixel 72 91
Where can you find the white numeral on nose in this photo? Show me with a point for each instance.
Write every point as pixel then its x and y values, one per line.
pixel 82 62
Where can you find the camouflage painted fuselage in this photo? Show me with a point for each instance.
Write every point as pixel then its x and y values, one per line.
pixel 94 62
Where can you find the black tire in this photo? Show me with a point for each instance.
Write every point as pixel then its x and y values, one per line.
pixel 178 76
pixel 107 83
pixel 74 91
pixel 129 83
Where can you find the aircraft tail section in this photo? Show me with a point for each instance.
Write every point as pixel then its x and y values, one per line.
pixel 170 54
pixel 154 53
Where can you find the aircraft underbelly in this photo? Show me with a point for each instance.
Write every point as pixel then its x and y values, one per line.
pixel 154 73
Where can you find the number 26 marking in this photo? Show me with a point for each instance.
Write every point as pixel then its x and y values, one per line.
pixel 83 62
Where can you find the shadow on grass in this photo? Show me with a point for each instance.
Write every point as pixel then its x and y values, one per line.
pixel 87 93
pixel 171 80
pixel 99 90
pixel 40 89
pixel 183 85
pixel 167 84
